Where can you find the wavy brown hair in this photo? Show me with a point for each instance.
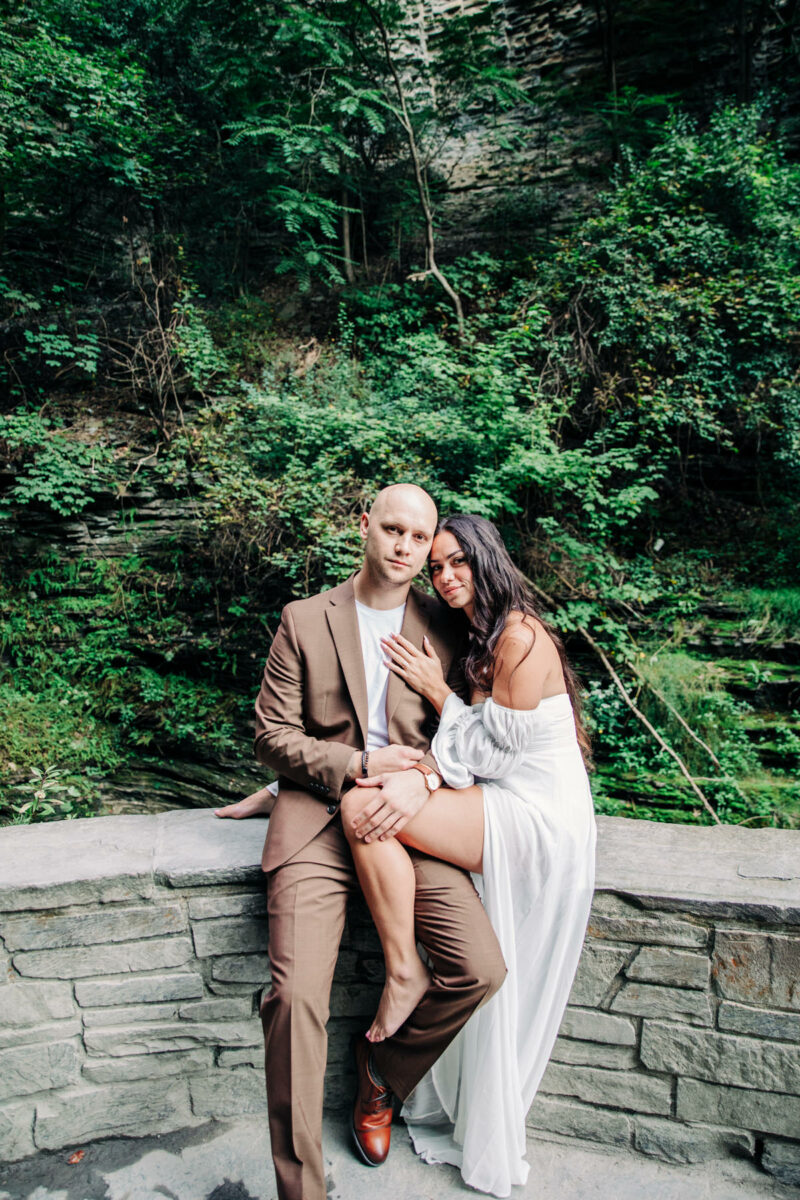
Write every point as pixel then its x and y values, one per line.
pixel 499 589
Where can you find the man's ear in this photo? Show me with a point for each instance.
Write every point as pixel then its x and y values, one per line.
pixel 364 525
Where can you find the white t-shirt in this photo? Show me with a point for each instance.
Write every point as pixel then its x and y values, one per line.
pixel 374 624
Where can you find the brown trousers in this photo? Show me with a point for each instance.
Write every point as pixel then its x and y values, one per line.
pixel 306 898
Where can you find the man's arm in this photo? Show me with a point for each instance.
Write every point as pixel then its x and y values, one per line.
pixel 324 767
pixel 281 741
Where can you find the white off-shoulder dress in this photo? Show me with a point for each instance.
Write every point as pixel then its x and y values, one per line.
pixel 536 886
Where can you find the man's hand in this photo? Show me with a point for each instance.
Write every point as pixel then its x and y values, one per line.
pixel 392 758
pixel 381 762
pixel 402 795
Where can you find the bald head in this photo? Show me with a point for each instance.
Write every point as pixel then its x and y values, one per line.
pixel 397 532
pixel 407 497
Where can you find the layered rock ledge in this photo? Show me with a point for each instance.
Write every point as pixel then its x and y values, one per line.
pixel 133 954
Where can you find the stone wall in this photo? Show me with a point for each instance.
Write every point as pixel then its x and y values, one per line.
pixel 134 954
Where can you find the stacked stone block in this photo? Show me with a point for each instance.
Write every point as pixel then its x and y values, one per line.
pixel 117 1018
pixel 133 957
pixel 140 1019
pixel 681 1039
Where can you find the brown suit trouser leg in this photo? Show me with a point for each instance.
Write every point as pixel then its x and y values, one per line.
pixel 306 899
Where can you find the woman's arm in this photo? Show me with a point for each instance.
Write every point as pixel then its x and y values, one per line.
pixel 489 740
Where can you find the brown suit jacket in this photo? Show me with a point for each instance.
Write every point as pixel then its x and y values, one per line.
pixel 311 711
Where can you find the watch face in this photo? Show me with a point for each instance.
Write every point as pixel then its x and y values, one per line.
pixel 433 781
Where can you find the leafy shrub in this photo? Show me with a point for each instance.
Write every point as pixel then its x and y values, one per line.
pixel 55 470
pixel 91 633
pixel 672 309
pixel 774 611
pixel 49 734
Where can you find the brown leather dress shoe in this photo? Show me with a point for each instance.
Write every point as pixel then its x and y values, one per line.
pixel 372 1111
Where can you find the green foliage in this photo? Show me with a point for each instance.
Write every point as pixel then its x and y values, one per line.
pixel 128 117
pixel 71 118
pixel 631 118
pixel 61 351
pixel 245 327
pixel 739 785
pixel 284 466
pixel 43 726
pixel 624 403
pixel 774 612
pixel 329 125
pixel 88 631
pixel 54 469
pixel 45 785
pixel 193 343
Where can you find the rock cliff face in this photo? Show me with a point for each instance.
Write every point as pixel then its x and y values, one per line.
pixel 596 73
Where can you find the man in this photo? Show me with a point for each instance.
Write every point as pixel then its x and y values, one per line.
pixel 329 712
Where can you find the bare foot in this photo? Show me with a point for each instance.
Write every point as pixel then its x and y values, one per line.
pixel 259 804
pixel 401 995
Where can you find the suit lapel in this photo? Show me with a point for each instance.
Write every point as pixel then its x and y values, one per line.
pixel 343 622
pixel 415 625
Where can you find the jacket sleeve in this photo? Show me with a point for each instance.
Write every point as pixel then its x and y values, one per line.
pixel 281 741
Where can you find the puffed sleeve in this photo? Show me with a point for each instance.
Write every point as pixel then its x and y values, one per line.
pixel 484 740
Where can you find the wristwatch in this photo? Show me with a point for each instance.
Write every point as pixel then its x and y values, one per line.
pixel 432 780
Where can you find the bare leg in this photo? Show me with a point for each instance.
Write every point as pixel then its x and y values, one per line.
pixel 450 827
pixel 387 880
pixel 467 966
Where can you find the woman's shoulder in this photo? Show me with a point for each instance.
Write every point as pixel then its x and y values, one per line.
pixel 526 658
pixel 521 632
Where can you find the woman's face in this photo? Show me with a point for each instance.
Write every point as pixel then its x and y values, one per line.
pixel 451 574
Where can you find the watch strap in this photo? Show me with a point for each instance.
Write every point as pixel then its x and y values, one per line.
pixel 429 774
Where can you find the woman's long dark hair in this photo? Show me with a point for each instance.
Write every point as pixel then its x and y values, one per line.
pixel 499 590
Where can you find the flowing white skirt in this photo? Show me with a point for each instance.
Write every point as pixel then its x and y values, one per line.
pixel 536 886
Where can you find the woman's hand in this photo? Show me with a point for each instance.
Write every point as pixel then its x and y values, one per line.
pixel 421 671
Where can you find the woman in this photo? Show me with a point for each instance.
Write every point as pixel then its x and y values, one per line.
pixel 526 827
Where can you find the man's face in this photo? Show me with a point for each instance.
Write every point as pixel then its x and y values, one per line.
pixel 398 536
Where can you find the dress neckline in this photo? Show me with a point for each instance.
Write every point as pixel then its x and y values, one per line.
pixel 504 708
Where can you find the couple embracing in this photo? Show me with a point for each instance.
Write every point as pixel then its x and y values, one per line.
pixel 476 842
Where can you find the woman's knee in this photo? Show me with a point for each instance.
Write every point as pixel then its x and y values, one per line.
pixel 353 803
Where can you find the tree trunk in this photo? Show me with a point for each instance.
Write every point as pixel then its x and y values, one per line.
pixel 350 274
pixel 364 255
